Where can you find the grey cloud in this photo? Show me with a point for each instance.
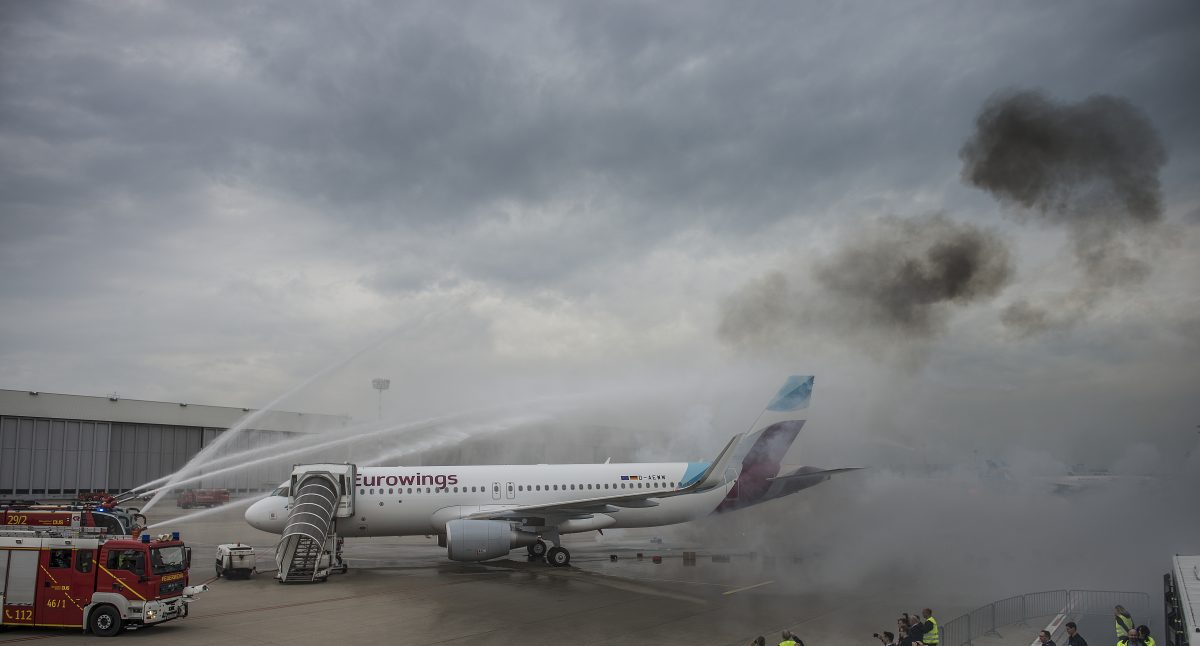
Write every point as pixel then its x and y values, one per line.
pixel 424 117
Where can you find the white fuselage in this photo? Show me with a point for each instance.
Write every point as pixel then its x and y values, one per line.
pixel 399 501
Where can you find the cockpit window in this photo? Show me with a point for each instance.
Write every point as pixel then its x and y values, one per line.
pixel 282 491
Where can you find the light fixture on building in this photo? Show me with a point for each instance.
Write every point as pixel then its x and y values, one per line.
pixel 182 405
pixel 112 397
pixel 34 393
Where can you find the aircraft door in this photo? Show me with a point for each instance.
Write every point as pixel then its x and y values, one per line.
pixel 510 491
pixel 495 491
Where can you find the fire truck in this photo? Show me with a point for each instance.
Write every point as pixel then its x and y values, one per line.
pixel 83 578
pixel 114 520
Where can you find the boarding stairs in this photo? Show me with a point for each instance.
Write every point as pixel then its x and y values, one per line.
pixel 319 496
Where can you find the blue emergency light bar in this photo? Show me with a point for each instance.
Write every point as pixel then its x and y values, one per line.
pixel 145 538
pixel 174 536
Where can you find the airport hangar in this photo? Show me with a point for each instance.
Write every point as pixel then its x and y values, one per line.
pixel 59 445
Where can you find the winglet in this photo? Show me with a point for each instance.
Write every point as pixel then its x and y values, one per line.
pixel 715 474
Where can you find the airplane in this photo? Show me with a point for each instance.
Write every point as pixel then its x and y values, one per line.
pixel 484 512
pixel 1077 479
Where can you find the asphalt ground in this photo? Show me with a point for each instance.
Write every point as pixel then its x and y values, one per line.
pixel 405 591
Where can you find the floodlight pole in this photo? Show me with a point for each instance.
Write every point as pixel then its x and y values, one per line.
pixel 381 385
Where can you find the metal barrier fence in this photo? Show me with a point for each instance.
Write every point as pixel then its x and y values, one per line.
pixel 1017 610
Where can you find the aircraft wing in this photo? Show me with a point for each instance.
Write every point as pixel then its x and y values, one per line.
pixel 712 476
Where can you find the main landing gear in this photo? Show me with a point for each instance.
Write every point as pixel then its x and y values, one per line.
pixel 556 556
pixel 537 550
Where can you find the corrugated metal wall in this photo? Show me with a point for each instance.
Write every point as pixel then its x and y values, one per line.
pixel 51 457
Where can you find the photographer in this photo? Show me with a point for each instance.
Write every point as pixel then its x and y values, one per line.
pixel 887 638
pixel 916 628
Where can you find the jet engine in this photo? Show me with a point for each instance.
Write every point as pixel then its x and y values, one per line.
pixel 480 540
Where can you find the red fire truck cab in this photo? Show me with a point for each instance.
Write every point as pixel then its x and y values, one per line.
pixel 75 578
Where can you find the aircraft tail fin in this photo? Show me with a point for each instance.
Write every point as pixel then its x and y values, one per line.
pixel 760 454
pixel 795 394
pixel 760 463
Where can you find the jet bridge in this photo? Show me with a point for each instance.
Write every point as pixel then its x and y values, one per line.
pixel 319 495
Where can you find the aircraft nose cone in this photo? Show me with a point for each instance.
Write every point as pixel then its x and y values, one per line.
pixel 264 515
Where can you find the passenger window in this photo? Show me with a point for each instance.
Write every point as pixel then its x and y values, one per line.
pixel 391 491
pixel 83 561
pixel 572 487
pixel 456 490
pixel 60 558
pixel 362 492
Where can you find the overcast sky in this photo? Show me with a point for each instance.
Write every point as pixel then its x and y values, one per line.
pixel 211 202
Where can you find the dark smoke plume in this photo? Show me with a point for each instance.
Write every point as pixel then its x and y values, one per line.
pixel 897 276
pixel 1090 166
pixel 901 273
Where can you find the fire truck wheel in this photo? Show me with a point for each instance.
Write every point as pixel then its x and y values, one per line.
pixel 219 571
pixel 105 621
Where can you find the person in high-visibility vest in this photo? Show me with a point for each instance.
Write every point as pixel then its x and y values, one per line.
pixel 930 637
pixel 1144 632
pixel 788 639
pixel 1132 638
pixel 1123 622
